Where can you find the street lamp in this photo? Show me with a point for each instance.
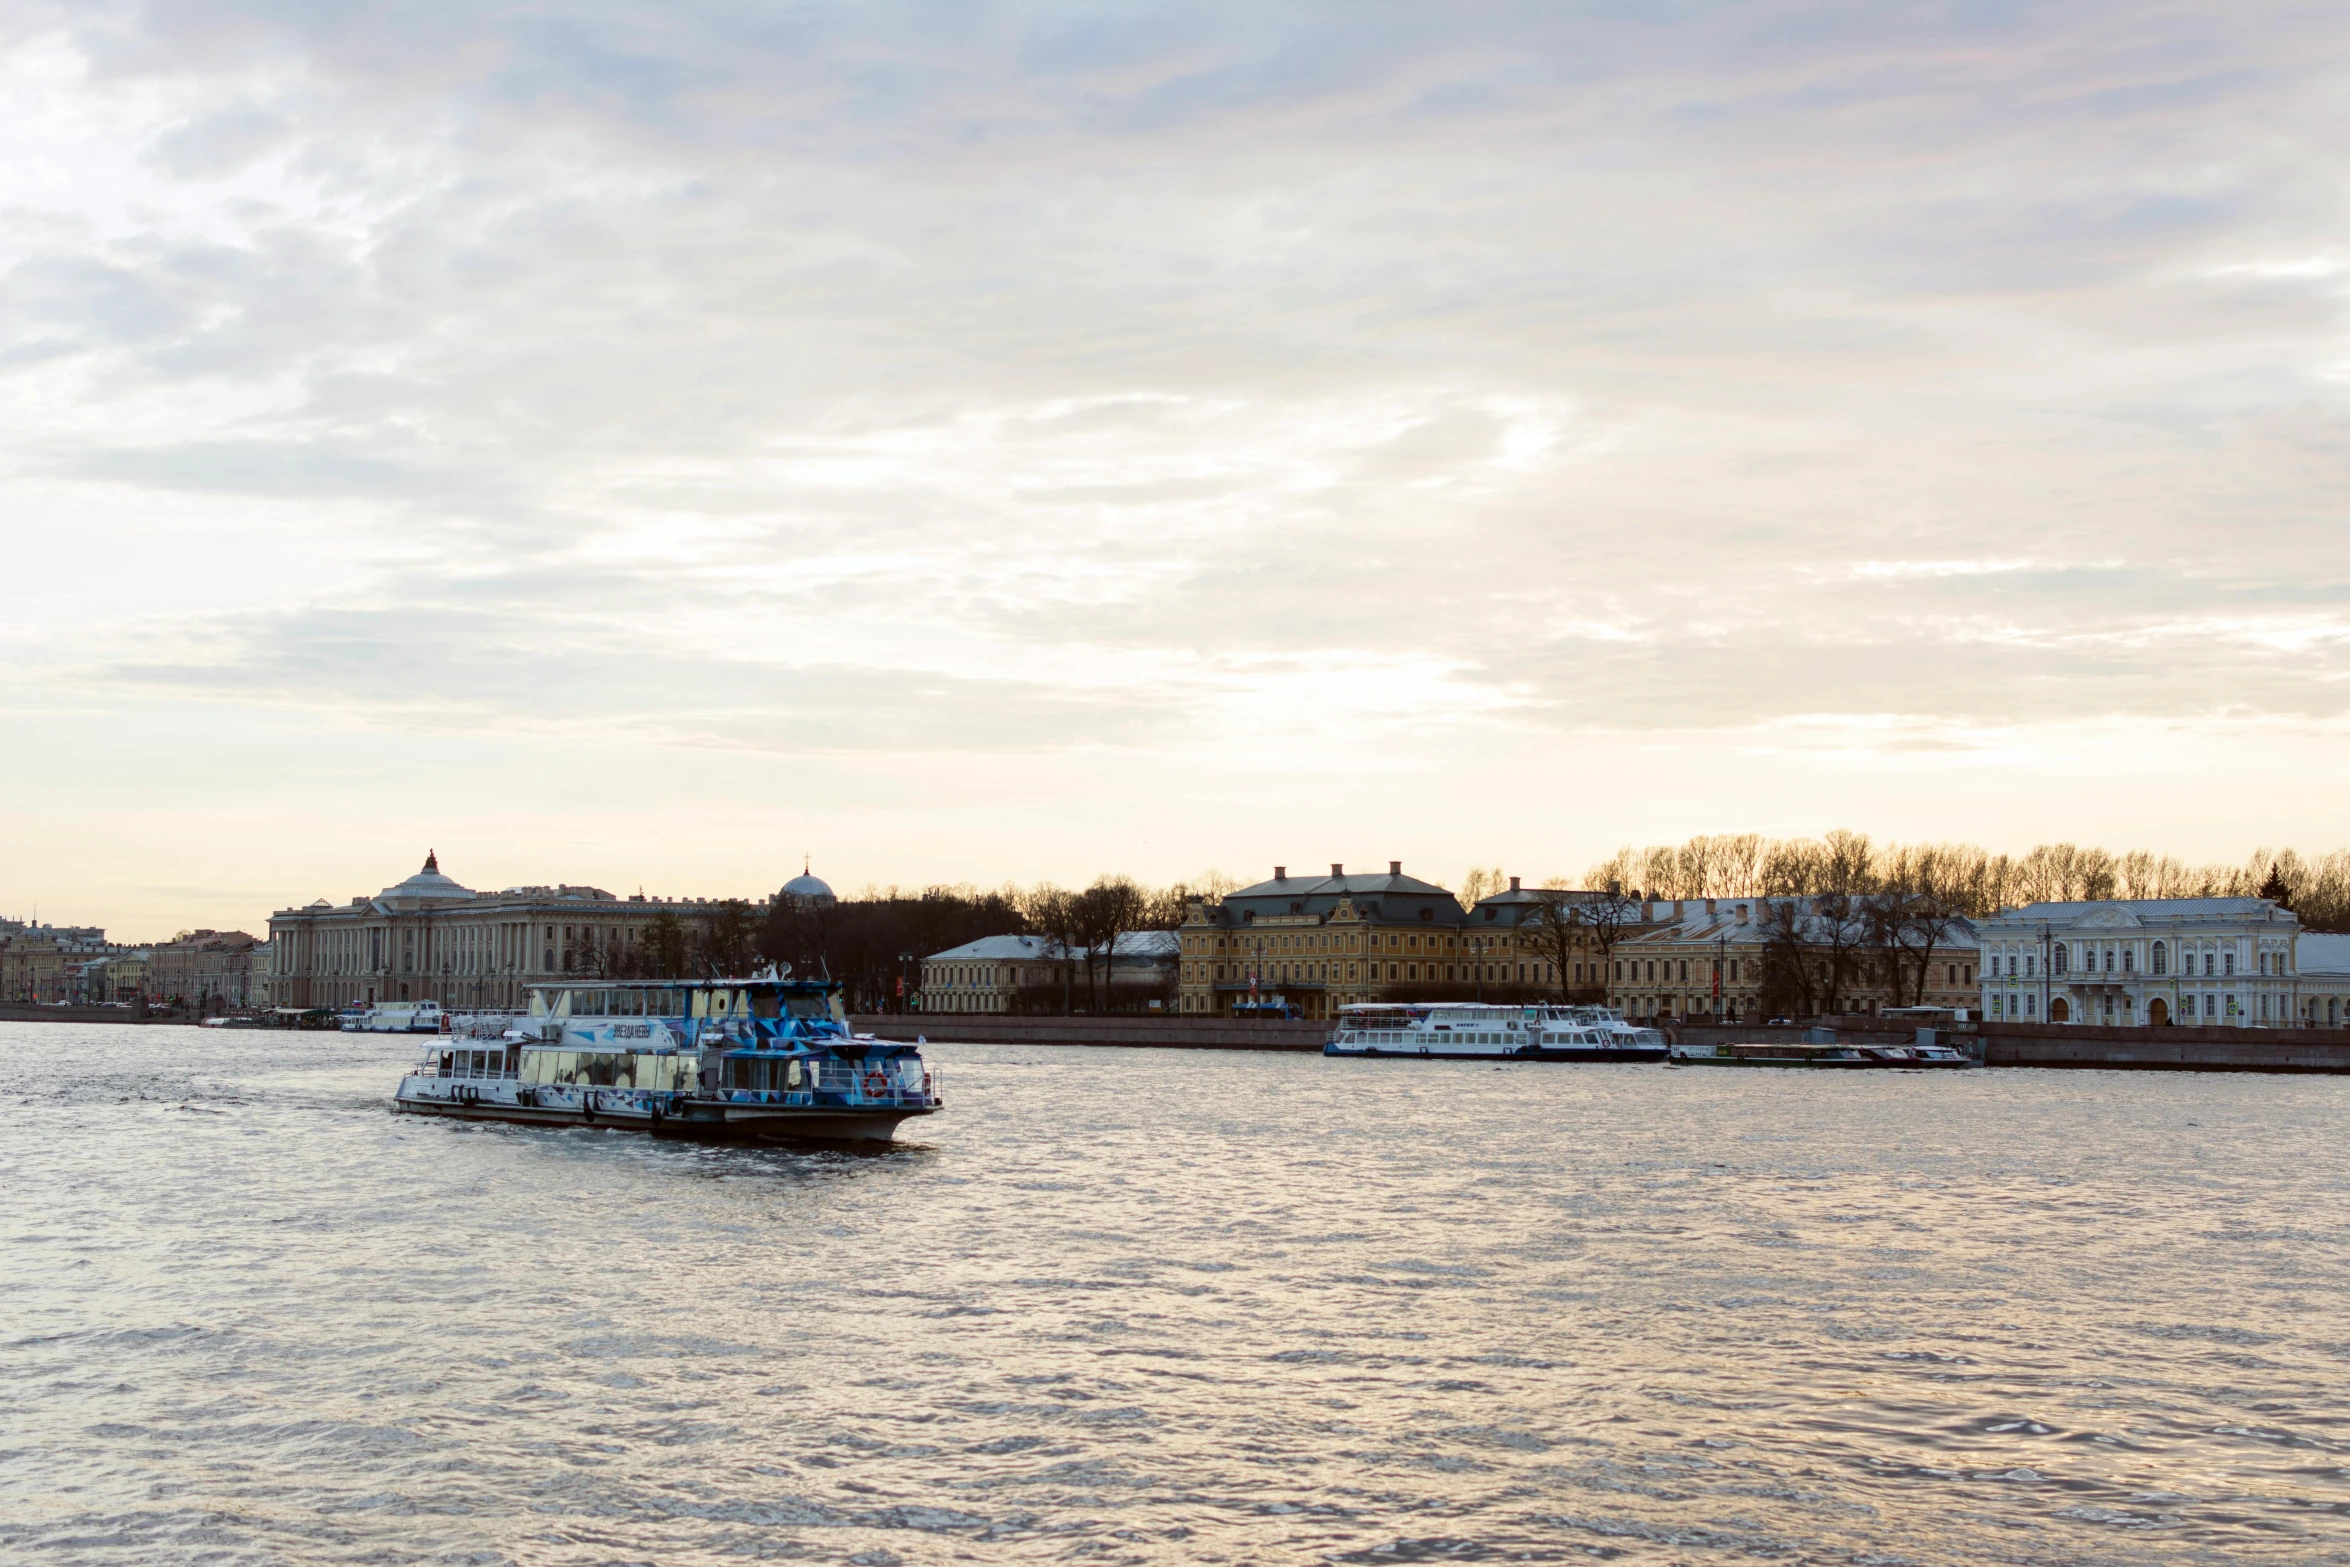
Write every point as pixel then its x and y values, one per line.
pixel 2047 950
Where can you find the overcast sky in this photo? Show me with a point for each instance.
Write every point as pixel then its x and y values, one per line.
pixel 642 444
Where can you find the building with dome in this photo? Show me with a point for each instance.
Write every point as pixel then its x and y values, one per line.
pixel 807 891
pixel 430 938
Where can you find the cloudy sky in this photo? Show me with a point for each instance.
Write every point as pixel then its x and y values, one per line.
pixel 642 444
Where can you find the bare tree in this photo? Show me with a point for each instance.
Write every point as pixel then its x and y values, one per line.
pixel 1839 933
pixel 1481 882
pixel 1788 983
pixel 1108 909
pixel 1605 915
pixel 1053 913
pixel 728 938
pixel 1558 926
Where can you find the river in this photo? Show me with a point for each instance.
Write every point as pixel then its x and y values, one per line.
pixel 1138 1306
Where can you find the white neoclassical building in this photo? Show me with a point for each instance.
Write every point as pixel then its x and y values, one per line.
pixel 430 939
pixel 2200 962
pixel 2322 972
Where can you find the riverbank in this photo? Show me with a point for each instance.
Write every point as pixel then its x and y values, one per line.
pixel 19 1013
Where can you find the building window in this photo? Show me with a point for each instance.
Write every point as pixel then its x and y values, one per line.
pixel 2161 958
pixel 2059 961
pixel 2231 965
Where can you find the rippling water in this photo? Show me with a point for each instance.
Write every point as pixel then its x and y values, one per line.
pixel 1166 1306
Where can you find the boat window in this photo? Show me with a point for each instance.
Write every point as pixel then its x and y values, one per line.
pixel 807 1006
pixel 766 1004
pixel 791 1075
pixel 538 1003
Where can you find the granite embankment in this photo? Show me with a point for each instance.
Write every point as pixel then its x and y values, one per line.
pixel 2166 1049
pixel 2163 1049
pixel 22 1012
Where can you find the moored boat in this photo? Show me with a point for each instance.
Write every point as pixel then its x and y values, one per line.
pixel 723 1060
pixel 394 1017
pixel 1801 1054
pixel 1774 1053
pixel 1472 1031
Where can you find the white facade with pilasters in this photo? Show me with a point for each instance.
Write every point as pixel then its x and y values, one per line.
pixel 2196 962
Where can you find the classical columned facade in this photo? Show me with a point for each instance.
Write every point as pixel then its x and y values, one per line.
pixel 430 939
pixel 2200 962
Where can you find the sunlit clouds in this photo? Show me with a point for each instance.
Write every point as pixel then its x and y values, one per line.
pixel 639 444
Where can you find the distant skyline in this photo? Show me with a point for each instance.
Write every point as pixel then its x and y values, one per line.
pixel 639 445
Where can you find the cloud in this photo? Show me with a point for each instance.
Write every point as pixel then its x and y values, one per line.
pixel 1007 376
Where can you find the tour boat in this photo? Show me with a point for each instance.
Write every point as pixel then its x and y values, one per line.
pixel 736 1060
pixel 1474 1031
pixel 394 1017
pixel 1790 1053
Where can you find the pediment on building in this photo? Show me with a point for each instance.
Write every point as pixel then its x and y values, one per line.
pixel 2108 919
pixel 1345 909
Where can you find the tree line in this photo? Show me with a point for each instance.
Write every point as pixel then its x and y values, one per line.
pixel 1968 879
pixel 874 943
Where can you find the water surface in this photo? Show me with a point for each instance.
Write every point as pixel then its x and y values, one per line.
pixel 1135 1306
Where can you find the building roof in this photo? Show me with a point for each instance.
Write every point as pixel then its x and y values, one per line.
pixel 2318 952
pixel 1517 905
pixel 1135 944
pixel 809 887
pixel 1721 923
pixel 426 883
pixel 2127 912
pixel 1392 896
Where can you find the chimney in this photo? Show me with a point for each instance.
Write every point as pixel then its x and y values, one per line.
pixel 1281 873
pixel 1336 870
pixel 1513 884
pixel 1741 913
pixel 1395 867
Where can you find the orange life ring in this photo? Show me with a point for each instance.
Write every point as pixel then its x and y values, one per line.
pixel 876 1085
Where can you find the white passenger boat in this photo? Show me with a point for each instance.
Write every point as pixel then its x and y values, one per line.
pixel 1471 1031
pixel 726 1060
pixel 394 1017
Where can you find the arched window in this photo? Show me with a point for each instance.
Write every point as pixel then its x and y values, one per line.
pixel 2060 961
pixel 2161 958
pixel 2129 960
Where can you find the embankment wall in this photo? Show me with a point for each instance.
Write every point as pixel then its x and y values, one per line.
pixel 18 1013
